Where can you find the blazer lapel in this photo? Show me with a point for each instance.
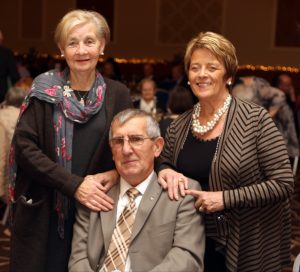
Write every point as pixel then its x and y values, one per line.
pixel 108 219
pixel 147 203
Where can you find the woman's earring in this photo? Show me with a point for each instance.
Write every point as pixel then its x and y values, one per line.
pixel 102 53
pixel 229 82
pixel 62 55
pixel 189 83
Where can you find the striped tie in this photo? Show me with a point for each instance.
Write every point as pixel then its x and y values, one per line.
pixel 118 247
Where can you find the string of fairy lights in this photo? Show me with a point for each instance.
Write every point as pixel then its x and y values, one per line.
pixel 265 68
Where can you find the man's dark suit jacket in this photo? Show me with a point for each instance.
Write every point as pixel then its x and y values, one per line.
pixel 8 70
pixel 167 235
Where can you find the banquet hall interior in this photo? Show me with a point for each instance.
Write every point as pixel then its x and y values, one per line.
pixel 266 35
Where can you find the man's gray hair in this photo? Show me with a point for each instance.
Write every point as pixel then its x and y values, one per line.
pixel 124 116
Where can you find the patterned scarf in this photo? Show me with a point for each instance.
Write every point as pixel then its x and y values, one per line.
pixel 53 87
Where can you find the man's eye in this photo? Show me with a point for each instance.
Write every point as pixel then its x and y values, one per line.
pixel 118 141
pixel 136 139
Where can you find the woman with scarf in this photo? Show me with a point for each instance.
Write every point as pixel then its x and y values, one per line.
pixel 60 152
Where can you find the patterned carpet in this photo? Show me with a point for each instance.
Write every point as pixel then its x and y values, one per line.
pixel 295 246
pixel 4 244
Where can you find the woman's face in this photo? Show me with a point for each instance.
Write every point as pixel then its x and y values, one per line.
pixel 206 75
pixel 82 48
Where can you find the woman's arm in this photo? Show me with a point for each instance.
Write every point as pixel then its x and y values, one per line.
pixel 34 143
pixel 34 150
pixel 170 180
pixel 277 181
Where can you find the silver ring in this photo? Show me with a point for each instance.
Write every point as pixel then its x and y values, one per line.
pixel 201 209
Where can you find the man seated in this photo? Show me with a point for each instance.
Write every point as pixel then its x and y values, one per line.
pixel 145 231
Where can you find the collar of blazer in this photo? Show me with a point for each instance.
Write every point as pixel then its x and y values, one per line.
pixel 148 201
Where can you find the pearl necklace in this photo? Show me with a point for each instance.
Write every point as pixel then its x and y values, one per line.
pixel 197 128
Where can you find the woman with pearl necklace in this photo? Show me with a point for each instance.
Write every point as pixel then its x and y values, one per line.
pixel 237 154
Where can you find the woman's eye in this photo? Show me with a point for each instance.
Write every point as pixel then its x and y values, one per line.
pixel 71 44
pixel 90 42
pixel 212 68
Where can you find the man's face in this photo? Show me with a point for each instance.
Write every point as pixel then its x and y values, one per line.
pixel 285 83
pixel 148 91
pixel 134 160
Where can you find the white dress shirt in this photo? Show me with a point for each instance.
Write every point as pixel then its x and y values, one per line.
pixel 147 106
pixel 123 200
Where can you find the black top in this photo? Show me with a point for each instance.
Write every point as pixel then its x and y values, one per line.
pixel 195 159
pixel 85 140
pixel 164 124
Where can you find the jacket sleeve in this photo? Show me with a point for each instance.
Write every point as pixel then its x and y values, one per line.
pixel 165 159
pixel 3 161
pixel 34 150
pixel 189 239
pixel 79 256
pixel 276 183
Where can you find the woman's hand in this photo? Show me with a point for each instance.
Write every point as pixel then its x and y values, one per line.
pixel 207 202
pixel 92 191
pixel 173 181
pixel 107 179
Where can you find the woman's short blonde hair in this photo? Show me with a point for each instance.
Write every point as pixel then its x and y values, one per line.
pixel 81 17
pixel 219 46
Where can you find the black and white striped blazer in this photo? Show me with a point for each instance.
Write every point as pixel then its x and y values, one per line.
pixel 253 171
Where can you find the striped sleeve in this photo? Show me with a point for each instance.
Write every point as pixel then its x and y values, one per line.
pixel 276 183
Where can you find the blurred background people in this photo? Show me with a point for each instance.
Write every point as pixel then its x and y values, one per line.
pixel 9 74
pixel 110 69
pixel 180 100
pixel 25 83
pixel 177 77
pixel 234 149
pixel 148 100
pixel 9 113
pixel 284 82
pixel 148 71
pixel 260 92
pixel 60 151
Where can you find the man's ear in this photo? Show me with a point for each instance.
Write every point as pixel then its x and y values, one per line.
pixel 158 146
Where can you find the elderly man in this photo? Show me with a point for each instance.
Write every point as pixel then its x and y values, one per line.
pixel 145 231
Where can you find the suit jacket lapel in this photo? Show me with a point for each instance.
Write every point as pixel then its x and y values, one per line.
pixel 108 219
pixel 147 203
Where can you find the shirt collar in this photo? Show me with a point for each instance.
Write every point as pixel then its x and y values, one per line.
pixel 124 185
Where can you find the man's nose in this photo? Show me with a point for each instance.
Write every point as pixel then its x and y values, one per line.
pixel 126 147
